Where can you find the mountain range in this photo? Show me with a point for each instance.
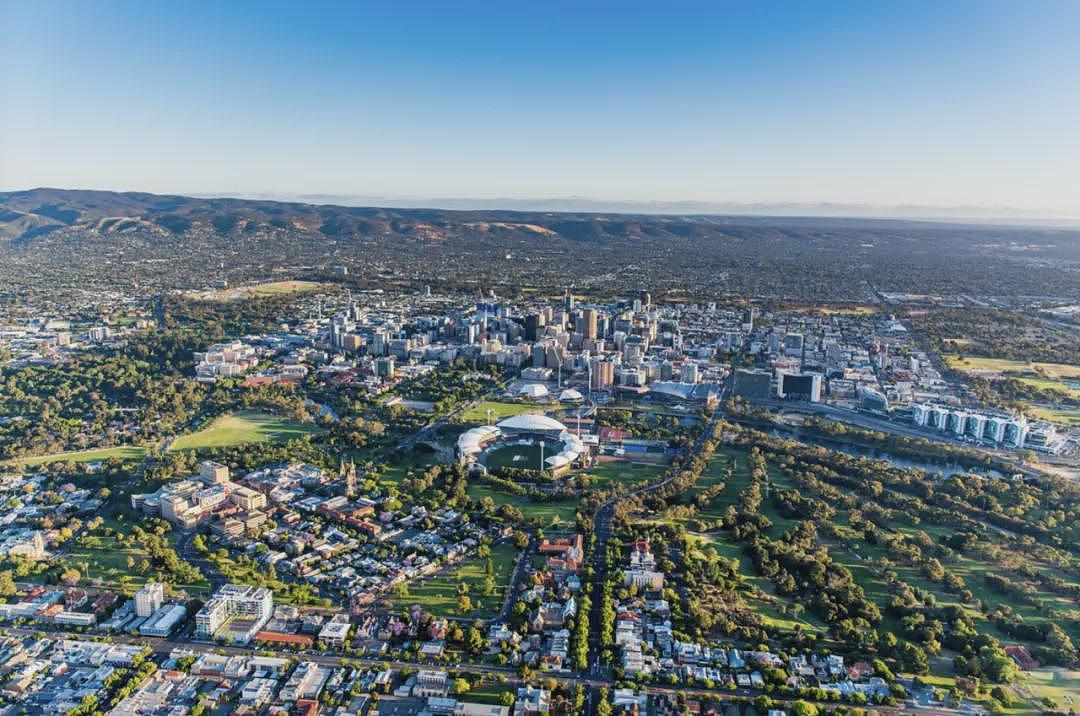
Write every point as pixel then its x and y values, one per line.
pixel 25 215
pixel 174 239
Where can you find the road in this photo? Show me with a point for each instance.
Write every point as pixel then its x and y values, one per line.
pixel 422 434
pixel 518 574
pixel 186 549
pixel 162 647
pixel 602 519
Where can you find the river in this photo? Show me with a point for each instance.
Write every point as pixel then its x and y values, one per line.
pixel 945 468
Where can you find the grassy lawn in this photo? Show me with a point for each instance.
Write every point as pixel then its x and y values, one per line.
pixel 489 691
pixel 501 410
pixel 439 594
pixel 242 428
pixel 416 462
pixel 104 562
pixel 272 288
pixel 545 513
pixel 1061 685
pixel 276 288
pixel 1002 365
pixel 124 452
pixel 847 311
pixel 625 471
pixel 739 480
pixel 863 559
pixel 1061 416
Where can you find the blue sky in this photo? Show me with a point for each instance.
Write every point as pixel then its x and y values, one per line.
pixel 930 103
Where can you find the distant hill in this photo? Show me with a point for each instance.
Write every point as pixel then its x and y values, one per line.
pixel 173 240
pixel 27 214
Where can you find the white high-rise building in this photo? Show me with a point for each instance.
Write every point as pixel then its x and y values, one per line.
pixel 956 421
pixel 249 608
pixel 995 429
pixel 148 599
pixel 976 426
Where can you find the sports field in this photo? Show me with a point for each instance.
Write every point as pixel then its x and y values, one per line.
pixel 625 471
pixel 1041 376
pixel 499 411
pixel 1053 371
pixel 124 452
pixel 522 457
pixel 260 290
pixel 242 428
pixel 276 288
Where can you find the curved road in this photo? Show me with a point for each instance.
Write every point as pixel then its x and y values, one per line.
pixel 602 527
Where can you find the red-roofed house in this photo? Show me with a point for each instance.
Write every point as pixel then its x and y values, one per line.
pixel 613 435
pixel 1022 657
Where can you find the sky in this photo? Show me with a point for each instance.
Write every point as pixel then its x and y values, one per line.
pixel 945 104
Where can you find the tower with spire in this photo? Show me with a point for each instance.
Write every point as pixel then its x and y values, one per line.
pixel 347 472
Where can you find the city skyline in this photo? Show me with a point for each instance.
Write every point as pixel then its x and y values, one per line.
pixel 604 358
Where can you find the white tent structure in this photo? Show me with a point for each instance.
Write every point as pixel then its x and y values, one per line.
pixel 535 391
pixel 571 395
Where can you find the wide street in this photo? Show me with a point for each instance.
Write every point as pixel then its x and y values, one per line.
pixel 162 648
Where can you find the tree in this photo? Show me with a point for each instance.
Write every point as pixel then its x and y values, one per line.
pixel 996 665
pixel 70 576
pixel 1060 645
pixel 1002 696
pixel 474 640
pixel 915 659
pixel 603 706
pixel 464 604
pixel 882 670
pixel 804 708
pixel 459 687
pixel 7 583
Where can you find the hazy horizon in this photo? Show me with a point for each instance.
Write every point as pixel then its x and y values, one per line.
pixel 977 215
pixel 965 110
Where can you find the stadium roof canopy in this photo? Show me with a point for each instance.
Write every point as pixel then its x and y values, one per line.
pixel 532 422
